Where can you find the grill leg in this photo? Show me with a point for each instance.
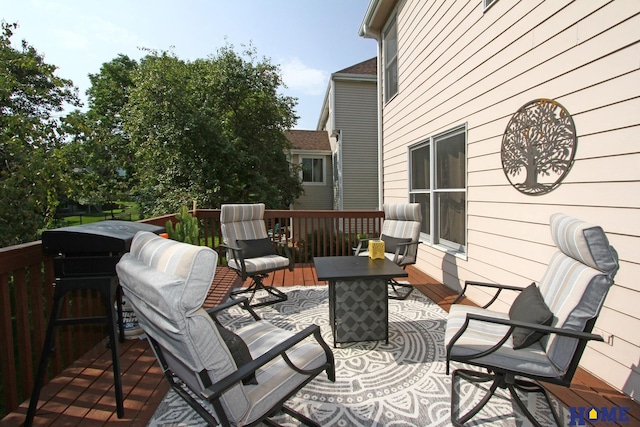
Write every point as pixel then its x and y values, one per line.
pixel 112 298
pixel 110 292
pixel 47 350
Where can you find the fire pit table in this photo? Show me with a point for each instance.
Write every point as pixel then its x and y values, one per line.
pixel 358 301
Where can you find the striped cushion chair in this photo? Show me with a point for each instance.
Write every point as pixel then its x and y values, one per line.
pixel 250 251
pixel 559 316
pixel 401 234
pixel 167 282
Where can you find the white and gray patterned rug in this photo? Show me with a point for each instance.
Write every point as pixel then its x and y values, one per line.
pixel 402 383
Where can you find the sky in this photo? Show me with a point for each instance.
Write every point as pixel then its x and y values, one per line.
pixel 308 39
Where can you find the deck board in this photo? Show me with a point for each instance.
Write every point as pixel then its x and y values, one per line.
pixel 83 393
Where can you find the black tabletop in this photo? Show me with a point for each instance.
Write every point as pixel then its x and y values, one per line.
pixel 352 267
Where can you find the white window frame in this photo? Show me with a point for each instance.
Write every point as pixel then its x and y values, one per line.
pixel 390 61
pixel 432 238
pixel 324 170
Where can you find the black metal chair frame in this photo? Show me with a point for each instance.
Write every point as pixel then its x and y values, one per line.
pixel 214 391
pixel 509 379
pixel 257 277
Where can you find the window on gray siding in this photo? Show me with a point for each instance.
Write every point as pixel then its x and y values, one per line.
pixel 437 178
pixel 313 170
pixel 390 46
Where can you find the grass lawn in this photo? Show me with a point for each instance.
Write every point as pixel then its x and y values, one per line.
pixel 129 212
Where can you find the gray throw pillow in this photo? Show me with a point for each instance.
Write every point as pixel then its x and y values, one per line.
pixel 391 243
pixel 529 307
pixel 256 248
pixel 239 351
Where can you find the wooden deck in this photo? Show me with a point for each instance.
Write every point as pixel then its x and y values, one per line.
pixel 83 394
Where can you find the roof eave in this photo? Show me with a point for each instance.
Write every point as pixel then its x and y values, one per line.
pixel 375 17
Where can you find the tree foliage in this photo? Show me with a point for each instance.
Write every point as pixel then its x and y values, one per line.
pixel 210 130
pixel 99 151
pixel 32 178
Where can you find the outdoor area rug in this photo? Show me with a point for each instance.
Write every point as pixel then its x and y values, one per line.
pixel 402 383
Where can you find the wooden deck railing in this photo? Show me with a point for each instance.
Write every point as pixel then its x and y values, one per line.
pixel 26 291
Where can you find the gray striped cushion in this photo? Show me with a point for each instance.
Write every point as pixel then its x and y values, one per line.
pixel 576 282
pixel 245 222
pixel 584 242
pixel 242 222
pixel 574 287
pixel 276 380
pixel 194 264
pixel 269 262
pixel 167 282
pixel 402 220
pixel 480 336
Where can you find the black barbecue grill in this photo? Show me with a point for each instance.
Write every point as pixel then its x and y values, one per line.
pixel 85 257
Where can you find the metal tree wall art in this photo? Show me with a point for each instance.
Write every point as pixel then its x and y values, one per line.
pixel 538 147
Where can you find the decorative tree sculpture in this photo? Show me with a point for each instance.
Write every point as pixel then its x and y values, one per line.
pixel 538 147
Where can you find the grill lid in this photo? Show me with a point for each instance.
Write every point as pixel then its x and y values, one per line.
pixel 97 238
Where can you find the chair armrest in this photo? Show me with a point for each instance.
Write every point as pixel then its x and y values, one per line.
pixel 499 288
pixel 537 327
pixel 216 390
pixel 238 257
pixel 404 246
pixel 583 336
pixel 287 253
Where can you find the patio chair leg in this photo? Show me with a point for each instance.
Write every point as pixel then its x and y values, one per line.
pixel 396 287
pixel 276 294
pixel 474 377
pixel 532 387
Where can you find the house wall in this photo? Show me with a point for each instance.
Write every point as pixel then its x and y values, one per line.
pixel 315 197
pixel 356 117
pixel 458 64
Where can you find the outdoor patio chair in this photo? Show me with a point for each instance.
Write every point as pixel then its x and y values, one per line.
pixel 543 336
pixel 250 252
pixel 401 235
pixel 239 377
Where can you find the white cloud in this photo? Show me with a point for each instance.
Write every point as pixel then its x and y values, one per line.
pixel 297 76
pixel 71 39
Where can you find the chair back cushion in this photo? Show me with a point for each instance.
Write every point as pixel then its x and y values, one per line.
pixel 576 281
pixel 167 282
pixel 403 221
pixel 242 222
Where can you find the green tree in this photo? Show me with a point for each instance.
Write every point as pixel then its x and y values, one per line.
pixel 210 130
pixel 31 168
pixel 99 151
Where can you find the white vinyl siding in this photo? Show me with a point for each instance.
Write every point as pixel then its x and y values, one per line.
pixel 461 65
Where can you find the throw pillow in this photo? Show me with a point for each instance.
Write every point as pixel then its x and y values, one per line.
pixel 256 248
pixel 239 351
pixel 391 243
pixel 529 307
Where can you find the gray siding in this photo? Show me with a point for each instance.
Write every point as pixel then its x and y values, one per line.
pixel 316 197
pixel 356 117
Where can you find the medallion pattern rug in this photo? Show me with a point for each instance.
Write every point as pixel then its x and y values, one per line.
pixel 402 383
